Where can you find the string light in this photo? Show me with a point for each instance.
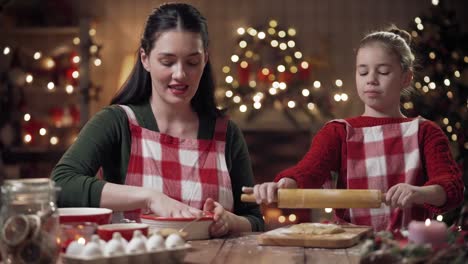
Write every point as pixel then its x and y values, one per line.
pixel 271 31
pixel 298 54
pixel 27 117
pixel 37 55
pixel 328 210
pixel 243 44
pixel 42 131
pixel 317 84
pixel 291 44
pixel 420 27
pixel 243 108
pixel 92 32
pixel 281 219
pixel 291 32
pixel 311 106
pixel 69 89
pixel 447 82
pixel 229 93
pixel 226 69
pixel 281 34
pixel 305 92
pixel 50 86
pixel 257 105
pixel 241 31
pixel 435 2
pixel 97 62
pixel 344 97
pixel 93 49
pixel 76 59
pixel 273 23
pixel 252 31
pixel 274 43
pixel 234 58
pixel 54 140
pixel 261 35
pixel 440 218
pixel 75 74
pixel 229 79
pixel 456 74
pixel 291 104
pixel 27 138
pixel 432 85
pixel 417 20
pixel 339 82
pixel 281 68
pixel 236 99
pixel 76 41
pixel 6 50
pixel 292 217
pixel 252 84
pixel 29 78
pixel 283 46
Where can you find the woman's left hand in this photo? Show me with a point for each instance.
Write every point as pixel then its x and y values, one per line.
pixel 404 195
pixel 223 219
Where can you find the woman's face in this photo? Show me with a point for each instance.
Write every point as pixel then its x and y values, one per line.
pixel 175 64
pixel 380 78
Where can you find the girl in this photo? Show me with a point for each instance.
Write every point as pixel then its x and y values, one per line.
pixel 407 158
pixel 163 146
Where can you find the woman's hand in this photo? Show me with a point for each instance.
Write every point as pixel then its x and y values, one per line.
pixel 163 205
pixel 404 195
pixel 268 192
pixel 224 221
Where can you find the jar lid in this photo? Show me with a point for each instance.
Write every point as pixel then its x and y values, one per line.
pixel 28 185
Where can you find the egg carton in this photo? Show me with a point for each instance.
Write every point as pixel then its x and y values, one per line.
pixel 167 255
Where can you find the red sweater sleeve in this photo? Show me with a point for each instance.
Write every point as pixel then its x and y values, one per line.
pixel 440 166
pixel 323 157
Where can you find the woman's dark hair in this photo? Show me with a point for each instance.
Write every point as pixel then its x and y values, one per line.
pixel 174 16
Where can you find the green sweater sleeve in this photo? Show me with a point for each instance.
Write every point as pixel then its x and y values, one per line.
pixel 98 145
pixel 240 170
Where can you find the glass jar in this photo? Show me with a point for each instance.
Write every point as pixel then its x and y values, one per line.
pixel 29 222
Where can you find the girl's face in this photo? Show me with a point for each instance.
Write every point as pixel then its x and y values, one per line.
pixel 380 79
pixel 175 64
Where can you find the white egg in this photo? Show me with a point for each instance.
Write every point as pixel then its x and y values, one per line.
pixel 137 244
pixel 119 237
pixel 91 250
pixel 74 248
pixel 114 248
pixel 174 240
pixel 155 242
pixel 100 242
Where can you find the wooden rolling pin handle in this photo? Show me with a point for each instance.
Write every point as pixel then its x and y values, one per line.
pixel 248 198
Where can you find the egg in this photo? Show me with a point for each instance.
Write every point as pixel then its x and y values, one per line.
pixel 92 250
pixel 174 240
pixel 100 242
pixel 74 248
pixel 137 244
pixel 155 242
pixel 115 246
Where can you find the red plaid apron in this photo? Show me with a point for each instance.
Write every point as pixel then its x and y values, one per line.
pixel 379 157
pixel 187 170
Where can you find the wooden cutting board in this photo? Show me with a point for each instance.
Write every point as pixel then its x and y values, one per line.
pixel 351 236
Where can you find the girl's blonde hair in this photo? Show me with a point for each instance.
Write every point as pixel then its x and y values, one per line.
pixel 397 41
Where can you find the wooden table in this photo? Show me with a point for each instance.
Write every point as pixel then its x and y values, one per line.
pixel 244 249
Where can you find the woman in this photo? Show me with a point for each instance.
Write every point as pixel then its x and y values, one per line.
pixel 163 146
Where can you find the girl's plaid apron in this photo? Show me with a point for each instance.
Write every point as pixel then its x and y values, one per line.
pixel 187 170
pixel 379 157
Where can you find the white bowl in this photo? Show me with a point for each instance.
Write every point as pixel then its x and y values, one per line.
pixel 195 231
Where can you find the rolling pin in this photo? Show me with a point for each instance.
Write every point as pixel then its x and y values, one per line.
pixel 325 198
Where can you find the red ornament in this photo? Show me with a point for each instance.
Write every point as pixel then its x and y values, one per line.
pixel 243 75
pixel 75 114
pixel 304 71
pixel 56 116
pixel 261 76
pixel 285 76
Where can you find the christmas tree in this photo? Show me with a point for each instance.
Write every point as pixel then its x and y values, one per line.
pixel 441 79
pixel 268 70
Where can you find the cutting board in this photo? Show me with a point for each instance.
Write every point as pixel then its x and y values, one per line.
pixel 351 236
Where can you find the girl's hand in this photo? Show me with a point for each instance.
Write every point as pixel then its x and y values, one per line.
pixel 268 192
pixel 404 195
pixel 224 221
pixel 163 205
